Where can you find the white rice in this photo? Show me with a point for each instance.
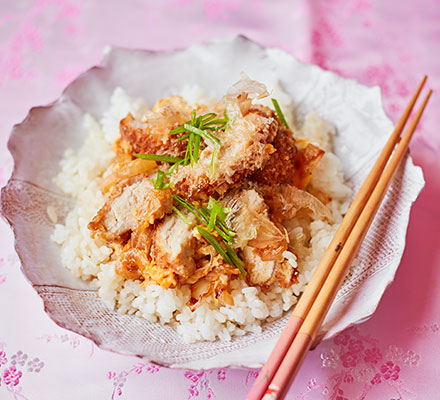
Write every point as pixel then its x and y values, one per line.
pixel 89 259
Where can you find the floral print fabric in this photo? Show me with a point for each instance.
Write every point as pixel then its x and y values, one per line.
pixel 44 44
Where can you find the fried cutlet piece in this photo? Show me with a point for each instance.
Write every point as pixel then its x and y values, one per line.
pixel 262 241
pixel 264 273
pixel 172 246
pixel 281 166
pixel 245 148
pixel 129 206
pixel 151 134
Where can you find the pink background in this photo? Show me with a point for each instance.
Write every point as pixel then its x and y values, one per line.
pixel 44 44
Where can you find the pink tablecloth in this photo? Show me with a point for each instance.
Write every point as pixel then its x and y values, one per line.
pixel 395 355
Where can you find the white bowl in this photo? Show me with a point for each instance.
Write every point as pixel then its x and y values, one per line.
pixel 37 145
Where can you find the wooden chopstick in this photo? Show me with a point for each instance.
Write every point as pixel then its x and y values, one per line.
pixel 309 328
pixel 314 286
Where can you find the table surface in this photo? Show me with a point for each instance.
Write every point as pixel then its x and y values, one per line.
pixel 44 44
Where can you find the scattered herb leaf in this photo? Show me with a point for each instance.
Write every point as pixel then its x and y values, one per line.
pixel 158 157
pixel 174 167
pixel 237 261
pixel 159 182
pixel 213 218
pixel 214 243
pixel 280 113
pixel 200 128
pixel 182 216
pixel 211 165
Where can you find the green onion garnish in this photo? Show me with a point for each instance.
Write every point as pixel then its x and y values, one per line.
pixel 228 253
pixel 214 243
pixel 207 117
pixel 280 113
pixel 196 149
pixel 182 137
pixel 174 167
pixel 158 157
pixel 182 216
pixel 221 122
pixel 195 130
pixel 211 164
pixel 206 135
pixel 159 182
pixel 177 130
pixel 200 128
pixel 218 216
pixel 203 215
pixel 235 259
pixel 212 220
pixel 213 217
pixel 190 149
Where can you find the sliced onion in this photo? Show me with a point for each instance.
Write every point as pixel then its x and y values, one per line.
pixel 271 240
pixel 200 288
pixel 227 298
pixel 285 201
pixel 123 171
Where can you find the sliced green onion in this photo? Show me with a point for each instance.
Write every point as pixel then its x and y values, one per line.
pixel 158 157
pixel 193 116
pixel 211 165
pixel 182 137
pixel 280 113
pixel 204 134
pixel 159 182
pixel 174 167
pixel 220 213
pixel 216 206
pixel 182 216
pixel 212 216
pixel 190 148
pixel 187 156
pixel 204 212
pixel 212 220
pixel 235 259
pixel 215 212
pixel 221 121
pixel 214 243
pixel 227 231
pixel 211 203
pixel 177 130
pixel 224 233
pixel 189 207
pixel 203 215
pixel 200 127
pixel 207 117
pixel 230 256
pixel 196 149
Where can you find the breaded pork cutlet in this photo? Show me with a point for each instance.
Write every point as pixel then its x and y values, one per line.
pixel 245 148
pixel 151 134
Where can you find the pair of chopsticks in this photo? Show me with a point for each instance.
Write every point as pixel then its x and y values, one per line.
pixel 278 372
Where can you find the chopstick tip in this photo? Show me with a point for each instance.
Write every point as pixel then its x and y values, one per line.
pixel 423 81
pixel 428 96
